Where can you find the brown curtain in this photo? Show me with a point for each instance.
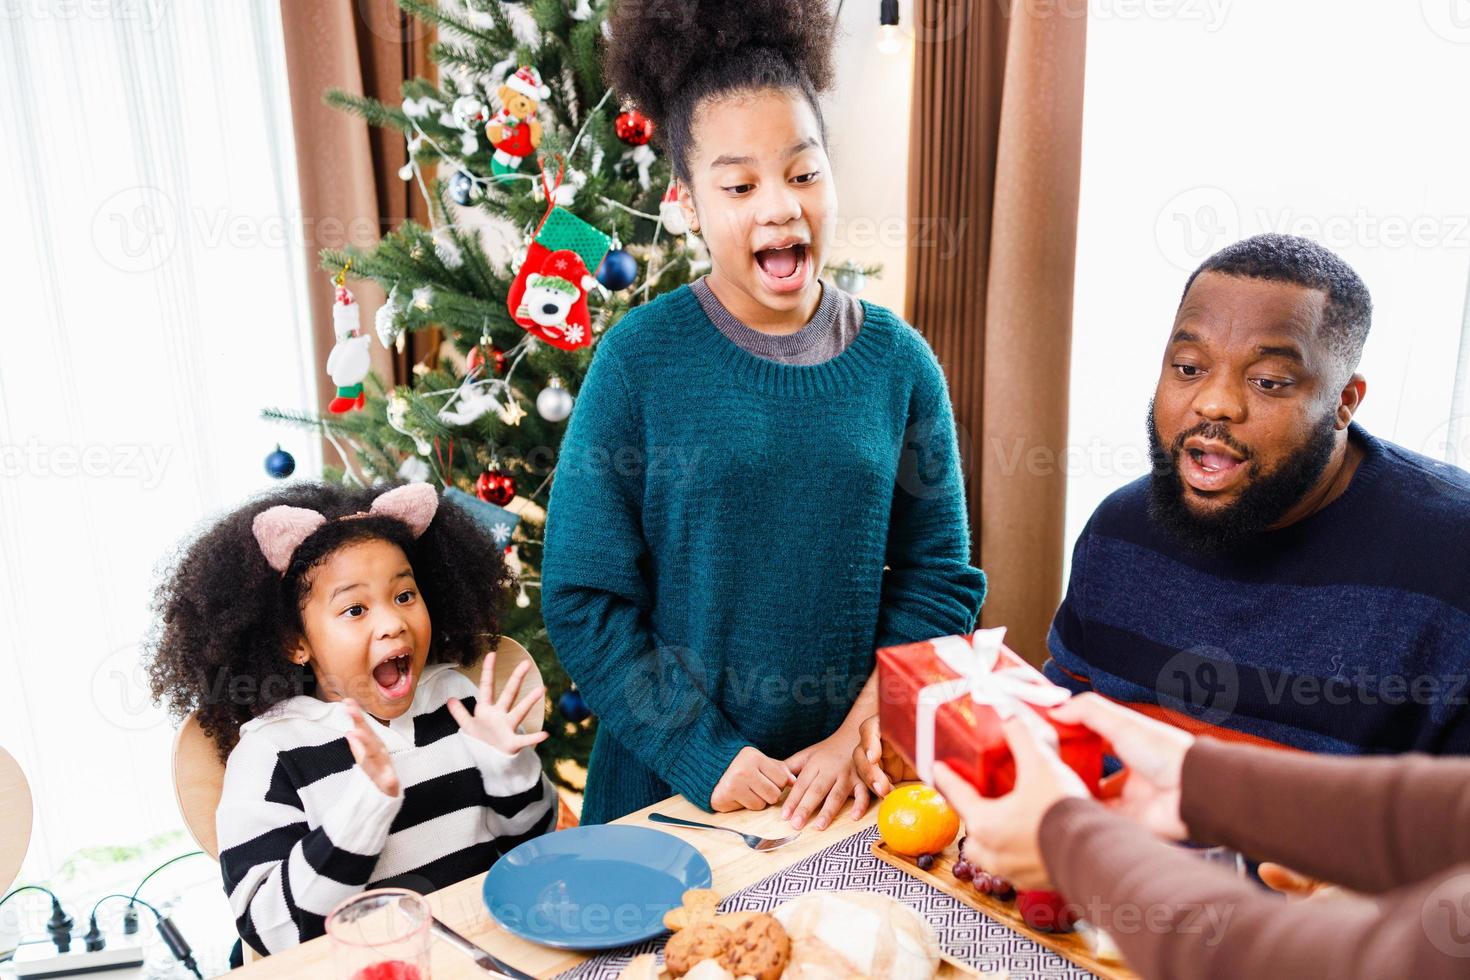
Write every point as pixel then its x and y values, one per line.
pixel 994 170
pixel 348 171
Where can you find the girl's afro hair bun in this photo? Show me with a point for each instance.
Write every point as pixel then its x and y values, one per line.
pixel 657 48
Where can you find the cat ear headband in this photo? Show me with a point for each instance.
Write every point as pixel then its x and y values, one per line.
pixel 280 530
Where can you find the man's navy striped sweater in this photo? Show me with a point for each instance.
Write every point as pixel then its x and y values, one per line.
pixel 1346 632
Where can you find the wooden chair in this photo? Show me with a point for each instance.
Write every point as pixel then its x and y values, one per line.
pixel 199 775
pixel 15 819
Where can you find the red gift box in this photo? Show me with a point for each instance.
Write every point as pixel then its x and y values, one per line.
pixel 967 734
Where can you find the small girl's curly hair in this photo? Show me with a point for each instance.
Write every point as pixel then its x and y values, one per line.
pixel 669 56
pixel 226 621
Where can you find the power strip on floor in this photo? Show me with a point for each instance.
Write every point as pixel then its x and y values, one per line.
pixel 40 961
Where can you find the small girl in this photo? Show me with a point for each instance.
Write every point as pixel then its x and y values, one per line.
pixel 761 481
pixel 315 632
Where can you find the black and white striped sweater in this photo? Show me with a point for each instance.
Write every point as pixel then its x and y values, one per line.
pixel 301 827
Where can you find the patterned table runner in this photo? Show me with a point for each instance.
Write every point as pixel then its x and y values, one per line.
pixel 849 865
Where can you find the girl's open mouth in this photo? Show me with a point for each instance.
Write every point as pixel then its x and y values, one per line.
pixel 394 677
pixel 786 269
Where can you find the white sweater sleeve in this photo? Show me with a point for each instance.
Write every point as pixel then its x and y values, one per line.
pixel 282 875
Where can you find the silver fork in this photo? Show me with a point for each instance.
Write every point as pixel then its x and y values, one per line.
pixel 751 840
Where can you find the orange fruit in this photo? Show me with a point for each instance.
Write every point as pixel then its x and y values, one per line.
pixel 914 819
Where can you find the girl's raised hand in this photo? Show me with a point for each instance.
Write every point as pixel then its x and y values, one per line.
pixel 370 753
pixel 497 722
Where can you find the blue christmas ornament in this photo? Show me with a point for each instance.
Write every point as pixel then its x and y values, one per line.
pixel 618 270
pixel 280 464
pixel 573 708
pixel 461 188
pixel 500 522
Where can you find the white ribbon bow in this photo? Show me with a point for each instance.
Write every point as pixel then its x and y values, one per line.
pixel 1004 691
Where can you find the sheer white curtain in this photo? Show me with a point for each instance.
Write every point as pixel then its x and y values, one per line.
pixel 152 306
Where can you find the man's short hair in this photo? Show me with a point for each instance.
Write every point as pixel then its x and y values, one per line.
pixel 1301 261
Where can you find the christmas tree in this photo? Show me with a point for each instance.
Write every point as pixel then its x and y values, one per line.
pixel 525 132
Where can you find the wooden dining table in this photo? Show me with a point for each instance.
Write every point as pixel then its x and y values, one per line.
pixel 460 905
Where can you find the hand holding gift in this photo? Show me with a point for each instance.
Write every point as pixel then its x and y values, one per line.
pixel 1152 752
pixel 1003 836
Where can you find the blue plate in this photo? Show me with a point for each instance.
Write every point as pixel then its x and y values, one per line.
pixel 597 887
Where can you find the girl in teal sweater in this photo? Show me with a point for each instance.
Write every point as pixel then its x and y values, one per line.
pixel 761 482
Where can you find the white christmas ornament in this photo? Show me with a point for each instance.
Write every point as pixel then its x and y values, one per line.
pixel 421 108
pixel 642 156
pixel 398 419
pixel 346 315
pixel 448 250
pixel 413 470
pixel 554 403
pixel 850 278
pixel 349 362
pixel 671 214
pixel 386 321
pixel 566 192
pixel 469 112
pixel 582 10
pixel 468 144
pixel 472 400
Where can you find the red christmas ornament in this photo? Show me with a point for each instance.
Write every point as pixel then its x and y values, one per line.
pixel 498 488
pixel 476 359
pixel 634 128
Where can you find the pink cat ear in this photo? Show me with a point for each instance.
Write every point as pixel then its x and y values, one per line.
pixel 280 530
pixel 414 505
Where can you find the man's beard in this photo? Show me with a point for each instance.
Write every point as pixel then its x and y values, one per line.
pixel 1263 502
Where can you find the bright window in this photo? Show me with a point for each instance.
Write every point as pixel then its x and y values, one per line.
pixel 1211 120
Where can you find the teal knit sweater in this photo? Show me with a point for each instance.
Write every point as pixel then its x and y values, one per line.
pixel 729 539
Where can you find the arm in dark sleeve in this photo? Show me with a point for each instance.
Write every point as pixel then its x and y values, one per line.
pixel 1174 916
pixel 1369 824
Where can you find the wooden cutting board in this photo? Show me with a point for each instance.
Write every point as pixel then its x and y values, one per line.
pixel 949 969
pixel 1068 945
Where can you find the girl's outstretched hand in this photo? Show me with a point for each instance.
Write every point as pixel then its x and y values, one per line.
pixel 370 753
pixel 495 721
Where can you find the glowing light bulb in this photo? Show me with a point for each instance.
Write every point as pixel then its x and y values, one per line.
pixel 890 41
